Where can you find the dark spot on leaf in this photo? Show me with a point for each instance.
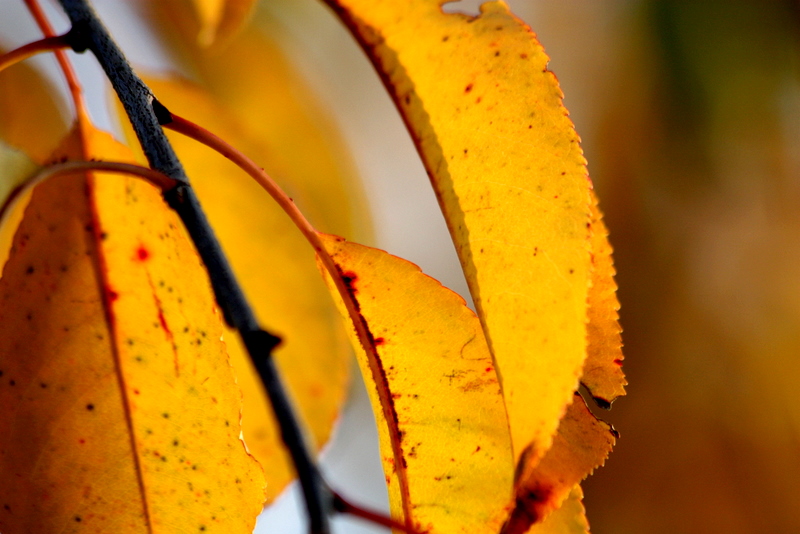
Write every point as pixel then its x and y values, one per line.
pixel 12 382
pixel 523 56
pixel 78 519
pixel 379 341
pixel 350 279
pixel 29 270
pixel 112 295
pixel 445 38
pixel 90 407
pixel 497 53
pixel 142 254
pixel 6 507
pixel 175 442
pixel 468 88
pixel 165 415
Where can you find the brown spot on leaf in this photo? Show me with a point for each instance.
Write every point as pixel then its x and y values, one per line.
pixel 529 507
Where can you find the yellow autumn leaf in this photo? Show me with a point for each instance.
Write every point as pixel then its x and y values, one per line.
pixel 570 518
pixel 505 161
pixel 215 19
pixel 27 98
pixel 259 87
pixel 276 269
pixel 16 167
pixel 602 370
pixel 120 409
pixel 581 444
pixel 445 444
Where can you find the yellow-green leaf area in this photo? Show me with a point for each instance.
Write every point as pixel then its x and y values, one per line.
pixel 506 165
pixel 454 469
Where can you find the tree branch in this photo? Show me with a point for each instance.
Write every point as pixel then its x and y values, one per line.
pixel 144 111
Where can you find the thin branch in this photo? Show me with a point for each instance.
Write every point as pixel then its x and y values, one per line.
pixel 48 44
pixel 143 111
pixel 159 180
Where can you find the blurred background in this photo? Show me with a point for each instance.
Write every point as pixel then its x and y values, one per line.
pixel 690 118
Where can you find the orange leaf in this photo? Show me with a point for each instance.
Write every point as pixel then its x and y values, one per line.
pixel 120 409
pixel 602 371
pixel 28 99
pixel 570 518
pixel 489 123
pixel 445 443
pixel 581 445
pixel 214 20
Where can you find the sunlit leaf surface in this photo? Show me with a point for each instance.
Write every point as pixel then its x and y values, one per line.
pixel 505 162
pixel 455 471
pixel 113 373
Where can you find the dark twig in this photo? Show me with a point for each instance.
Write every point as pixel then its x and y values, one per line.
pixel 144 111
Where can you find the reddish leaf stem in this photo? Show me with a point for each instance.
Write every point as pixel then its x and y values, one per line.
pixel 179 124
pixel 74 85
pixel 48 44
pixel 163 182
pixel 345 507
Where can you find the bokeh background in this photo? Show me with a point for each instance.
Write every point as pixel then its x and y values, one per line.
pixel 690 119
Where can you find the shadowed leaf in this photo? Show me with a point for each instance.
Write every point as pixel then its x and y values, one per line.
pixel 570 518
pixel 582 444
pixel 276 269
pixel 602 371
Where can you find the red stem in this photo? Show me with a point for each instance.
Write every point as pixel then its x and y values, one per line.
pixel 74 85
pixel 48 44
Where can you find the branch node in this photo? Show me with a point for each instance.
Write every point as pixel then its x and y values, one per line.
pixel 162 113
pixel 77 38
